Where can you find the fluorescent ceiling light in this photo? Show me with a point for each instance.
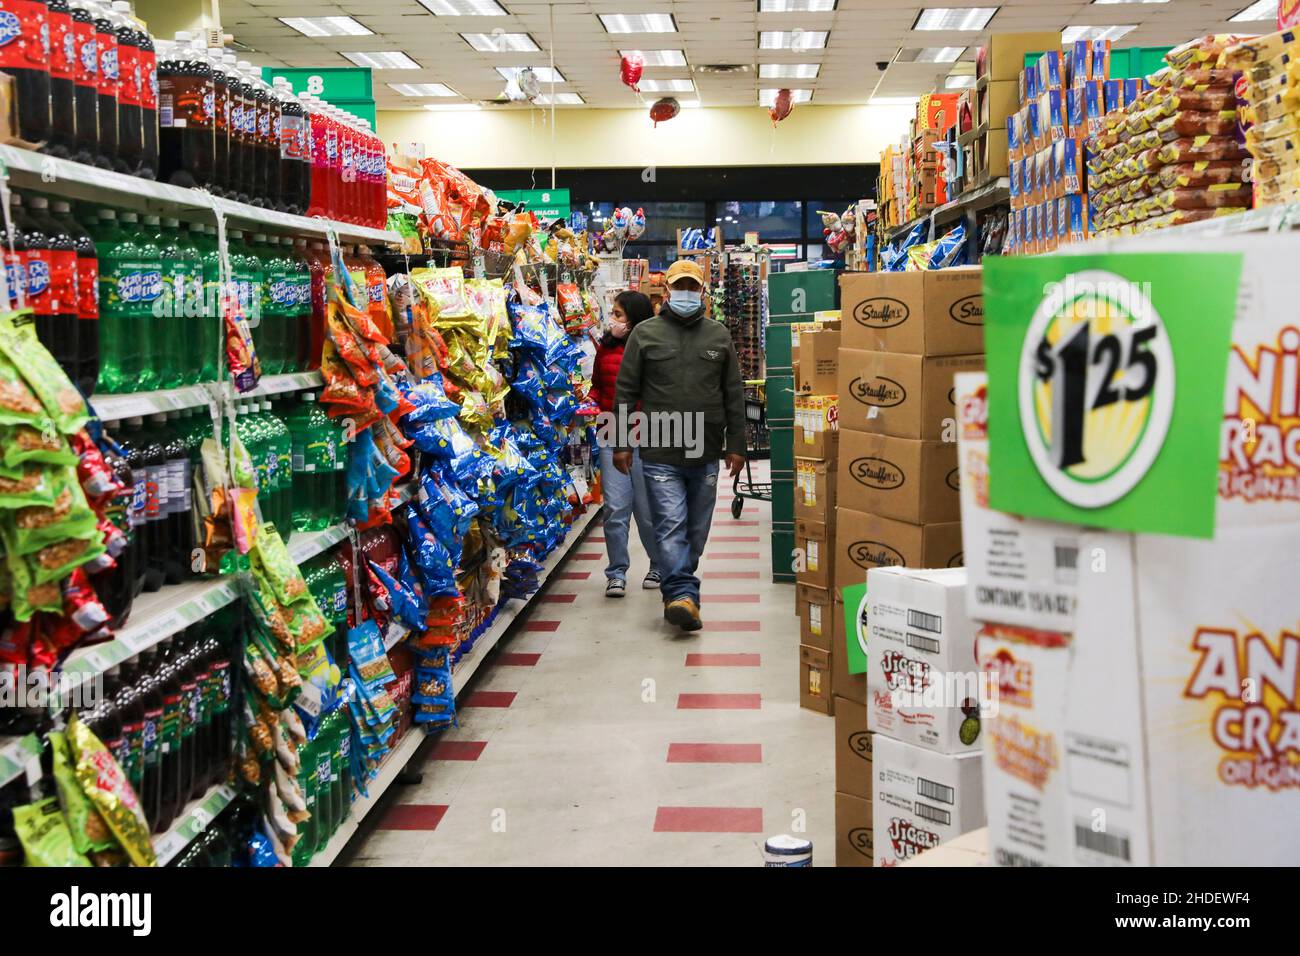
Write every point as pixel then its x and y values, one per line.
pixel 954 18
pixel 1260 10
pixel 464 8
pixel 782 71
pixel 658 57
pixel 544 73
pixel 501 42
pixel 768 97
pixel 793 39
pixel 1070 34
pixel 796 6
pixel 939 54
pixel 561 99
pixel 892 101
pixel 667 86
pixel 452 107
pixel 962 82
pixel 422 89
pixel 326 26
pixel 638 22
pixel 389 60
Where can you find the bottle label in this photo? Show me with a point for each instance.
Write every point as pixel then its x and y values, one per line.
pixel 148 80
pixel 128 64
pixel 177 498
pixel 185 102
pixel 22 24
pixel 202 698
pixel 184 499
pixel 136 283
pixel 155 489
pixel 108 73
pixel 132 750
pixel 15 276
pixel 264 122
pixel 292 137
pixel 340 601
pixel 88 288
pixel 376 290
pixel 87 65
pixel 191 708
pixel 63 46
pixel 272 468
pixel 220 108
pixel 152 743
pixel 63 280
pixel 172 721
pixel 318 455
pixel 38 281
pixel 139 498
pixel 211 691
pixel 323 775
pixel 331 146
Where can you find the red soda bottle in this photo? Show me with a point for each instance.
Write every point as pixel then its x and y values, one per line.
pixel 63 51
pixel 25 55
pixel 109 82
pixel 85 76
pixel 130 130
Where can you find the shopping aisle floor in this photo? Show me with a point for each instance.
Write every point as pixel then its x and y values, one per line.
pixel 598 734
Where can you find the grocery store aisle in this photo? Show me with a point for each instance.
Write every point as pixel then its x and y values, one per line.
pixel 597 734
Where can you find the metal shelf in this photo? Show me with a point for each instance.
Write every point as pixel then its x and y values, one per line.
pixel 111 408
pixel 192 821
pixel 990 194
pixel 15 755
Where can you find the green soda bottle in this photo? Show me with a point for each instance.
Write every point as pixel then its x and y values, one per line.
pixel 305 848
pixel 211 333
pixel 246 273
pixel 187 284
pixel 278 450
pixel 141 286
pixel 165 324
pixel 276 300
pixel 113 336
pixel 325 789
pixel 285 450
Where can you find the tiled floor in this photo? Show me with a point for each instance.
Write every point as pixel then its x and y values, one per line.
pixel 610 738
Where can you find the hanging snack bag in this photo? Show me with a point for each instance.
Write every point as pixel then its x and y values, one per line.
pixel 88 830
pixel 106 786
pixel 44 835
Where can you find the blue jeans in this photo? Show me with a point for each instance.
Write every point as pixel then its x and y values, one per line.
pixel 682 498
pixel 625 499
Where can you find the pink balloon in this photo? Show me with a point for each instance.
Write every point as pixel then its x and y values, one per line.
pixel 630 69
pixel 664 109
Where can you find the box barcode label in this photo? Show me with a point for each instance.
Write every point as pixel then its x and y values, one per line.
pixel 815 619
pixel 935 791
pixel 923 643
pixel 814 555
pixel 1067 556
pixel 1108 844
pixel 933 814
pixel 923 621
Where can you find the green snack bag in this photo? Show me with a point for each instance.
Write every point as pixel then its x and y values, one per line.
pixel 47 381
pixel 30 595
pixel 44 835
pixel 57 560
pixel 39 441
pixel 271 561
pixel 18 403
pixel 88 830
pixel 31 528
pixel 35 487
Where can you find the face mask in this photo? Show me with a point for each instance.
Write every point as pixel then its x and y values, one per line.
pixel 683 302
pixel 618 329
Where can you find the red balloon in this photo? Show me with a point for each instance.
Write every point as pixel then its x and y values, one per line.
pixel 781 106
pixel 664 109
pixel 630 69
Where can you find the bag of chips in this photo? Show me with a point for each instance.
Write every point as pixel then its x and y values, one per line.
pixel 87 828
pixel 44 835
pixel 103 782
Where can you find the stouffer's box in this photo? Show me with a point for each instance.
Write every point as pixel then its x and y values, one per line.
pixel 866 541
pixel 893 393
pixel 922 799
pixel 900 478
pixel 938 312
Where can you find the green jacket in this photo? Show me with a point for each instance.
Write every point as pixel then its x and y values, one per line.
pixel 683 366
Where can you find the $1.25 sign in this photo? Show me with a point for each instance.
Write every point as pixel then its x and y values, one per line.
pixel 1106 378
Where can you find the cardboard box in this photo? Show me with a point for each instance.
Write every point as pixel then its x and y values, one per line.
pixel 921 313
pixel 819 361
pixel 997 101
pixel 815 680
pixel 922 799
pixel 853 834
pixel 936 111
pixel 865 541
pixel 815 539
pixel 849 686
pixel 893 393
pixel 816 424
pixel 853 748
pixel 1024 737
pixel 814 493
pixel 900 478
pixel 923 684
pixel 815 606
pixel 1004 56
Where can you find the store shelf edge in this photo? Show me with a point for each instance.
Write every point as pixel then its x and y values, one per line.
pixel 990 194
pixel 111 408
pixel 193 820
pixel 15 754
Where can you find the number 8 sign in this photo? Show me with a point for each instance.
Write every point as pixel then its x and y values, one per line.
pixel 1096 386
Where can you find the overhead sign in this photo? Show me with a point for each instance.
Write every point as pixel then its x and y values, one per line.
pixel 545 203
pixel 347 87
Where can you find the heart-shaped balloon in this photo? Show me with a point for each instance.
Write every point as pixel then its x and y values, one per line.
pixel 630 69
pixel 664 109
pixel 781 106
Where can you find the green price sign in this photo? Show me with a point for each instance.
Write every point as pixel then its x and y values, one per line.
pixel 347 87
pixel 545 203
pixel 855 628
pixel 1106 377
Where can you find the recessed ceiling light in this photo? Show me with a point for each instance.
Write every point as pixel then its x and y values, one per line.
pixel 963 82
pixel 892 101
pixel 501 42
pixel 667 86
pixel 422 89
pixel 939 54
pixel 452 107
pixel 658 57
pixel 781 71
pixel 768 97
pixel 388 60
pixel 464 8
pixel 326 26
pixel 793 39
pixel 1070 34
pixel 544 73
pixel 1260 10
pixel 561 99
pixel 796 6
pixel 638 22
pixel 954 18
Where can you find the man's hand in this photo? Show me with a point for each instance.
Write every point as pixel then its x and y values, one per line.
pixel 623 461
pixel 734 464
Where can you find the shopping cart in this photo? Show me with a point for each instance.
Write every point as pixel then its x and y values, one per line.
pixel 756 446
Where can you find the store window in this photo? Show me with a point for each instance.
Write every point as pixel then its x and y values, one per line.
pixel 771 219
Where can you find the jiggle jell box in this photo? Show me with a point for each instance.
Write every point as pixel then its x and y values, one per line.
pixel 921 799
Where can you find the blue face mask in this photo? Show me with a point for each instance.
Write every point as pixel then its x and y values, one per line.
pixel 683 302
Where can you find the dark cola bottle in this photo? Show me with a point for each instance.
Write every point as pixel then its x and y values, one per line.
pixel 85 76
pixel 109 82
pixel 52 284
pixel 130 130
pixel 221 133
pixel 148 104
pixel 25 55
pixel 186 103
pixel 63 52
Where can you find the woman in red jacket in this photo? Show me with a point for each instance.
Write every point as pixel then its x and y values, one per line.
pixel 625 496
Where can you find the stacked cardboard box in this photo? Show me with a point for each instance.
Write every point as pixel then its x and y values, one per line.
pixel 997 69
pixel 891 187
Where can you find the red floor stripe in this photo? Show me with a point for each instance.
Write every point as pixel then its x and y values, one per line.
pixel 413 816
pixel 730 576
pixel 515 659
pixel 742 524
pixel 733 539
pixel 572 575
pixel 731 599
pixel 457 749
pixel 723 660
pixel 558 598
pixel 586 557
pixel 489 698
pixel 709 820
pixel 719 701
pixel 732 627
pixel 733 555
pixel 595 539
pixel 541 625
pixel 715 753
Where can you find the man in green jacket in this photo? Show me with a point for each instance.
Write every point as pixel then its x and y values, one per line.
pixel 681 370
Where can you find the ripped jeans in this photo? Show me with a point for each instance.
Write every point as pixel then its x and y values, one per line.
pixel 682 499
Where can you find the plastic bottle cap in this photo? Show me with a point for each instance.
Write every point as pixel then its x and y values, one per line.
pixel 243 65
pixel 259 237
pixel 130 217
pixel 183 35
pixel 135 421
pixel 171 223
pixel 122 6
pixel 152 220
pixel 61 207
pixel 37 202
pixel 159 416
pixel 103 213
pixel 309 396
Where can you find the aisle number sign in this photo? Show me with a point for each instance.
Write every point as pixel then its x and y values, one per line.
pixel 1106 378
pixel 545 203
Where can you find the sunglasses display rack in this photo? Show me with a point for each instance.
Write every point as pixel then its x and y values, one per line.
pixel 744 309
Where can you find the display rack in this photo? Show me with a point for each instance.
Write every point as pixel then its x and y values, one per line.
pixel 984 197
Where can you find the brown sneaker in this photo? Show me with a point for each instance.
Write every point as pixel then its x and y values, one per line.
pixel 683 612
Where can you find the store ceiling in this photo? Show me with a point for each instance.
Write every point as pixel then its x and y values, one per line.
pixel 860 35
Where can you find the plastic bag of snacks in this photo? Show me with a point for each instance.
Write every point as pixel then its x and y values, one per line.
pixel 103 782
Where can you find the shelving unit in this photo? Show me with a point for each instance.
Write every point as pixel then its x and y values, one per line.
pixel 983 197
pixel 116 407
pixel 191 821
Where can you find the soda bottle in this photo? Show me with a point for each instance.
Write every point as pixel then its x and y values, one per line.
pixel 322 158
pixel 284 468
pixel 254 107
pixel 14 249
pixel 192 756
pixel 377 200
pixel 221 175
pixel 205 694
pixel 130 753
pixel 86 281
pixel 328 784
pixel 209 319
pixel 157 488
pixel 176 562
pixel 85 76
pixel 116 585
pixel 213 842
pixel 195 427
pixel 130 128
pixel 62 54
pixel 278 308
pixel 130 282
pixel 244 110
pixel 344 745
pixel 133 440
pixel 103 719
pixel 295 150
pixel 114 336
pixel 109 82
pixel 150 691
pixel 223 730
pixel 171 755
pixel 305 848
pixel 300 277
pixel 148 102
pixel 183 272
pixel 50 261
pixel 376 292
pixel 186 114
pixel 320 269
pixel 163 336
pixel 144 289
pixel 265 136
pixel 25 56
